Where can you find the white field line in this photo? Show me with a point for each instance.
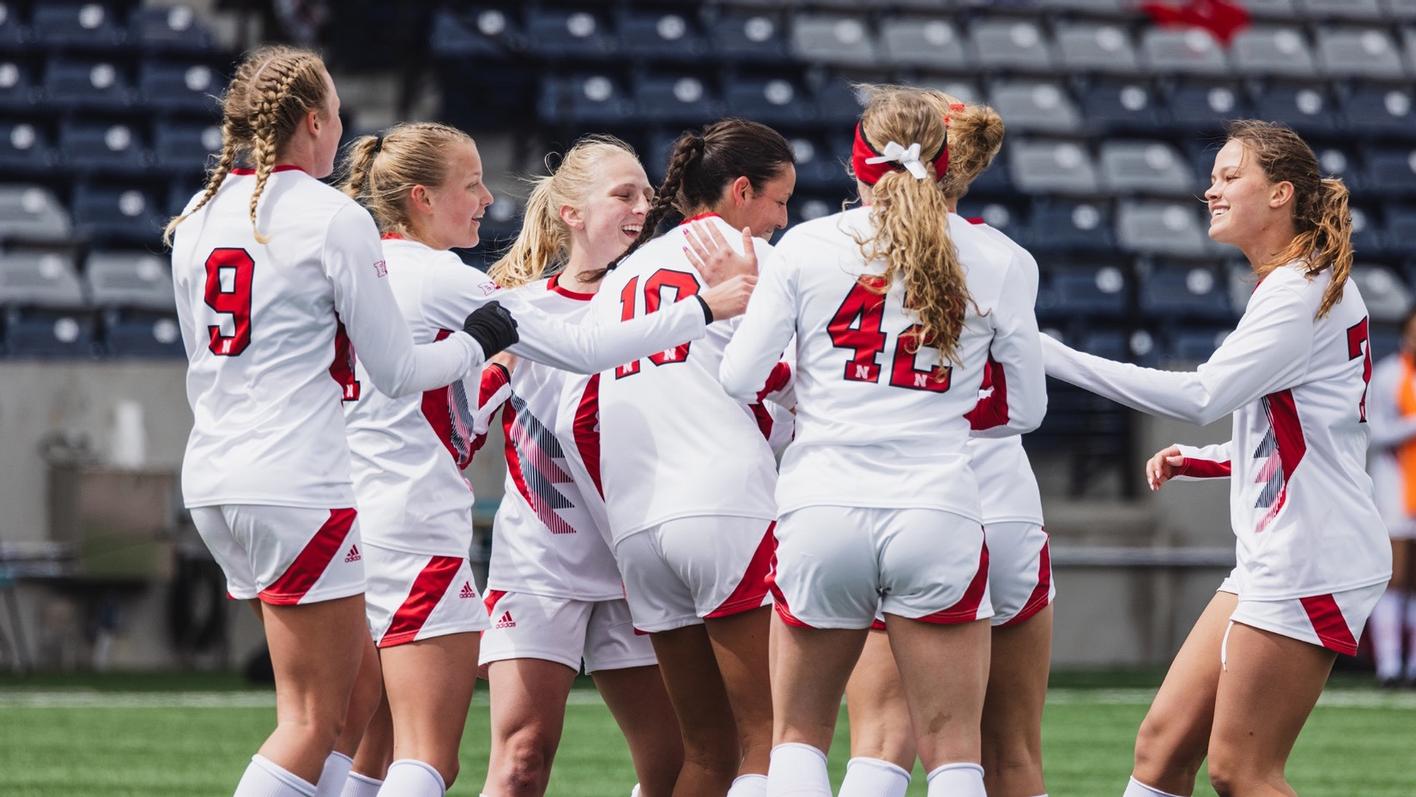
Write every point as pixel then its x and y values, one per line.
pixel 94 699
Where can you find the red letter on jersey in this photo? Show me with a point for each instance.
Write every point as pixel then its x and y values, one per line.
pixel 235 302
pixel 864 338
pixel 904 373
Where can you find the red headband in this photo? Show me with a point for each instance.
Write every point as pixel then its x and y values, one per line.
pixel 870 173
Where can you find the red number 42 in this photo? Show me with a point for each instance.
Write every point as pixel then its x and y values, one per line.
pixel 856 326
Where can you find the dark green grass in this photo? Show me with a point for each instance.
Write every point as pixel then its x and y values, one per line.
pixel 1346 751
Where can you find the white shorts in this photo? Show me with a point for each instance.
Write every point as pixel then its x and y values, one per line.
pixel 565 631
pixel 1333 621
pixel 281 554
pixel 416 596
pixel 682 571
pixel 837 566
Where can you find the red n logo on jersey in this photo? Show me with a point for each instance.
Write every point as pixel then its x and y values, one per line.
pixel 856 326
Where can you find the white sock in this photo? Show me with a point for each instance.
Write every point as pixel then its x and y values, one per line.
pixel 797 770
pixel 1411 629
pixel 746 786
pixel 872 777
pixel 410 778
pixel 335 773
pixel 956 780
pixel 359 785
pixel 265 778
pixel 634 792
pixel 1386 634
pixel 1139 789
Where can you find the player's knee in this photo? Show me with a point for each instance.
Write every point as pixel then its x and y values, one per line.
pixel 527 761
pixel 718 753
pixel 1008 758
pixel 1231 773
pixel 1161 755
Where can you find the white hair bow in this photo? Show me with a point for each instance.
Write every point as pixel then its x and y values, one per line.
pixel 907 157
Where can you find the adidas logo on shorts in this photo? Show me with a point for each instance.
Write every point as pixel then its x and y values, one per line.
pixel 353 555
pixel 467 591
pixel 505 621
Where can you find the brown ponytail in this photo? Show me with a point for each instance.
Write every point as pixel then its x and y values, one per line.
pixel 975 137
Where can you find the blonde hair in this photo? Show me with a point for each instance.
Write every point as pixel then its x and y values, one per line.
pixel 272 90
pixel 1320 212
pixel 975 137
pixel 380 172
pixel 910 219
pixel 544 240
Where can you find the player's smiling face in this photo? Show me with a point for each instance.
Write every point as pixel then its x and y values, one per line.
pixel 451 213
pixel 763 211
pixel 1242 202
pixel 612 213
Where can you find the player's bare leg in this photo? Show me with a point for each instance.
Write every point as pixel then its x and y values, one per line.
pixel 375 751
pixel 528 715
pixel 813 666
pixel 875 703
pixel 740 644
pixel 945 707
pixel 363 702
pixel 640 704
pixel 1267 689
pixel 315 653
pixel 1173 738
pixel 1012 708
pixel 429 685
pixel 711 753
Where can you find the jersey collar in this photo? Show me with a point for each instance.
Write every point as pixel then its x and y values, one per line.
pixel 554 285
pixel 281 167
pixel 705 215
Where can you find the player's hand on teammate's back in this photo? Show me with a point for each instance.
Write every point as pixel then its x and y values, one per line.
pixel 729 299
pixel 710 253
pixel 492 326
pixel 1163 467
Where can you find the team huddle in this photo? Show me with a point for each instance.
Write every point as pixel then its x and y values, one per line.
pixel 744 480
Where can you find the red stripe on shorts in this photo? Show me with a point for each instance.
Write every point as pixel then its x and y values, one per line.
pixel 1037 601
pixel 1331 626
pixel 312 560
pixel 752 589
pixel 428 589
pixel 966 610
pixel 493 595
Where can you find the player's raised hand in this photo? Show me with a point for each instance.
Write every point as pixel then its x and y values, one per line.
pixel 1162 467
pixel 728 299
pixel 710 253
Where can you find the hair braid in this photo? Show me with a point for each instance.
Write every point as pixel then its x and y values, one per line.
pixel 358 182
pixel 225 160
pixel 263 151
pixel 688 150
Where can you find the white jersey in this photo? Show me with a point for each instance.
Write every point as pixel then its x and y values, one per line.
pixel 268 327
pixel 877 424
pixel 412 496
pixel 1300 498
pixel 676 445
pixel 1390 431
pixel 544 539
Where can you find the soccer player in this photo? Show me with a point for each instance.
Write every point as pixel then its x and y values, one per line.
pixel 275 273
pixel 1019 572
pixel 1392 463
pixel 897 308
pixel 423 183
pixel 554 595
pixel 686 471
pixel 1313 556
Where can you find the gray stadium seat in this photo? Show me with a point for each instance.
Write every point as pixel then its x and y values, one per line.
pixel 1113 8
pixel 33 213
pixel 1386 296
pixel 1273 50
pixel 1163 228
pixel 1035 106
pixel 1269 9
pixel 1100 48
pixel 965 91
pixel 1190 51
pixel 929 43
pixel 1011 44
pixel 121 279
pixel 832 39
pixel 46 279
pixel 1343 9
pixel 1409 35
pixel 1145 167
pixel 1051 167
pixel 926 5
pixel 1359 52
pixel 1402 9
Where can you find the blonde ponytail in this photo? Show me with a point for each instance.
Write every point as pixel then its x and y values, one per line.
pixel 380 172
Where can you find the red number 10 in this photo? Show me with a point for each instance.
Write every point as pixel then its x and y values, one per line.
pixel 856 326
pixel 684 285
pixel 235 302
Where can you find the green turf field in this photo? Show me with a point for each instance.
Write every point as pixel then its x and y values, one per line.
pixel 193 735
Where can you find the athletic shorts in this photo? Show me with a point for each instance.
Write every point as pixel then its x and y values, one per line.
pixel 682 571
pixel 837 566
pixel 415 596
pixel 565 631
pixel 1333 621
pixel 283 555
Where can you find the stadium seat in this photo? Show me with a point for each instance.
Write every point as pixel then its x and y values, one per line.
pixel 184 148
pixel 490 33
pixel 1359 52
pixel 664 36
pixel 770 100
pixel 1343 9
pixel 558 34
pixel 1391 172
pixel 805 207
pixel 131 280
pixel 1194 346
pixel 1380 110
pixel 1110 8
pixel 749 38
pixel 817 168
pixel 584 100
pixel 1401 9
pixel 1145 167
pixel 502 221
pixel 965 91
pixel 1011 45
pixel 32 213
pixel 1009 218
pixel 102 148
pixel 1387 297
pixel 179 88
pixel 1162 228
pixel 62 25
pixel 116 213
pixel 1306 107
pixel 17 92
pixel 1090 292
pixel 44 279
pixel 924 43
pixel 996 180
pixel 1340 163
pixel 1048 167
pixel 1127 106
pixel 1029 106
pixel 24 148
pixel 837 40
pixel 838 103
pixel 1096 48
pixel 170 29
pixel 1273 50
pixel 1189 51
pixel 1368 237
pixel 12 31
pixel 1178 292
pixel 44 333
pixel 675 99
pixel 1270 9
pixel 1401 230
pixel 129 333
pixel 1203 106
pixel 1065 226
pixel 79 85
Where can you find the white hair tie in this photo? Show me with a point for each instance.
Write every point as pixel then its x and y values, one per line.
pixel 908 157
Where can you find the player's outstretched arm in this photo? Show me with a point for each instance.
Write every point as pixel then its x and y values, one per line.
pixel 1187 463
pixel 1018 401
pixel 757 345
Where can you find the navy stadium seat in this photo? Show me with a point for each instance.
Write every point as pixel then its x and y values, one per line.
pixel 1387 297
pixel 1343 9
pixel 1090 291
pixel 1392 172
pixel 17 90
pixel 817 167
pixel 43 333
pixel 1341 163
pixel 667 35
pixel 749 38
pixel 1368 237
pixel 1306 107
pixel 82 85
pixel 502 221
pixel 117 213
pixel 770 100
pixel 24 148
pixel 1401 229
pixel 490 33
pixel 675 99
pixel 1009 218
pixel 996 180
pixel 169 29
pixel 1201 105
pixel 182 88
pixel 1180 292
pixel 1196 344
pixel 1070 226
pixel 566 33
pixel 1380 110
pixel 137 333
pixel 584 99
pixel 839 103
pixel 12 32
pixel 103 148
pixel 57 25
pixel 1125 106
pixel 184 148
